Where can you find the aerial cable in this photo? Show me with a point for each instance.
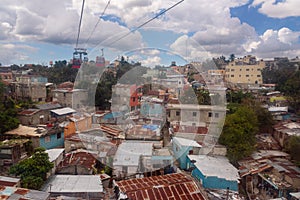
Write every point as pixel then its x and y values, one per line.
pixel 80 22
pixel 140 26
pixel 98 22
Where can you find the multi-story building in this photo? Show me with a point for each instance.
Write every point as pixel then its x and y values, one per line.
pixel 126 97
pixel 74 98
pixel 29 87
pixel 246 70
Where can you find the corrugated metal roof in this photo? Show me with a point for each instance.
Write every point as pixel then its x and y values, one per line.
pixel 217 166
pixel 75 184
pixel 64 111
pixel 129 152
pixel 54 153
pixel 171 186
pixel 186 142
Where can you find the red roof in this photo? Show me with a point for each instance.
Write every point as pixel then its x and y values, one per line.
pixel 171 187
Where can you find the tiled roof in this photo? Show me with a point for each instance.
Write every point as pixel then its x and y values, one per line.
pixel 167 187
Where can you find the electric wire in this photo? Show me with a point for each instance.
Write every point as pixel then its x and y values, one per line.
pixel 143 24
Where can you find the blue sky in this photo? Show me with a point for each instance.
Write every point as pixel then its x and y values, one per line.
pixel 38 31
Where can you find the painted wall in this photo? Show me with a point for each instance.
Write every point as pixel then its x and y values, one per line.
pixel 54 141
pixel 213 182
pixel 180 153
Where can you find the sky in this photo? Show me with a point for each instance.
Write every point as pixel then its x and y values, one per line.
pixel 36 31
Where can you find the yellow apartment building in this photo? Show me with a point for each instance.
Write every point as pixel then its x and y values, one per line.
pixel 246 70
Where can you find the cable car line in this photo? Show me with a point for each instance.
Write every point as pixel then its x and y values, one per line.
pixel 98 22
pixel 143 24
pixel 79 52
pixel 81 14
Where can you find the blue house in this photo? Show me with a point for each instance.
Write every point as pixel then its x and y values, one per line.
pixel 214 172
pixel 182 148
pixel 47 137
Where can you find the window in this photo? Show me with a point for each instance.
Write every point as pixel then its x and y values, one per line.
pixel 232 75
pixel 47 139
pixel 193 124
pixel 209 114
pixel 194 114
pixel 124 169
pixel 232 70
pixel 258 75
pixel 247 69
pixel 216 115
pixel 58 135
pixel 247 75
pixel 177 113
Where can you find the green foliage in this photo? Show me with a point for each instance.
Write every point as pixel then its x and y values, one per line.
pixel 33 170
pixel 293 148
pixel 291 88
pixel 8 112
pixel 239 132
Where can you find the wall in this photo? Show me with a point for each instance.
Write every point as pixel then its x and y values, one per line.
pixel 54 141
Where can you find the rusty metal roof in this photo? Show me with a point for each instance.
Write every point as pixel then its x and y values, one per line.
pixel 169 187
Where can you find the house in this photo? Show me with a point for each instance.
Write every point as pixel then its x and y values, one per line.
pixel 77 123
pixel 283 131
pixel 269 171
pixel 214 172
pixel 12 151
pixel 160 162
pixel 182 148
pixel 279 113
pixel 41 115
pixel 170 186
pixel 149 132
pixel 29 87
pixel 75 187
pixel 7 192
pixel 153 108
pixel 30 117
pixel 10 181
pixel 90 139
pixel 73 98
pixel 62 114
pixel 127 159
pixel 55 156
pixel 126 97
pixel 45 109
pixel 80 162
pixel 41 136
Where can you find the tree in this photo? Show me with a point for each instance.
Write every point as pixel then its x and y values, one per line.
pixel 291 88
pixel 8 112
pixel 33 170
pixel 238 133
pixel 293 148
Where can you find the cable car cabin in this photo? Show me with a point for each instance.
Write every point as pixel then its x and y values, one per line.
pixel 100 61
pixel 79 56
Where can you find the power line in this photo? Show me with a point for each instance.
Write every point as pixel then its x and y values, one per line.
pixel 143 24
pixel 81 14
pixel 98 22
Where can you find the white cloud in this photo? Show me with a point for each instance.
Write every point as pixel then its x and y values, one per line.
pixel 11 52
pixel 151 61
pixel 282 9
pixel 272 43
